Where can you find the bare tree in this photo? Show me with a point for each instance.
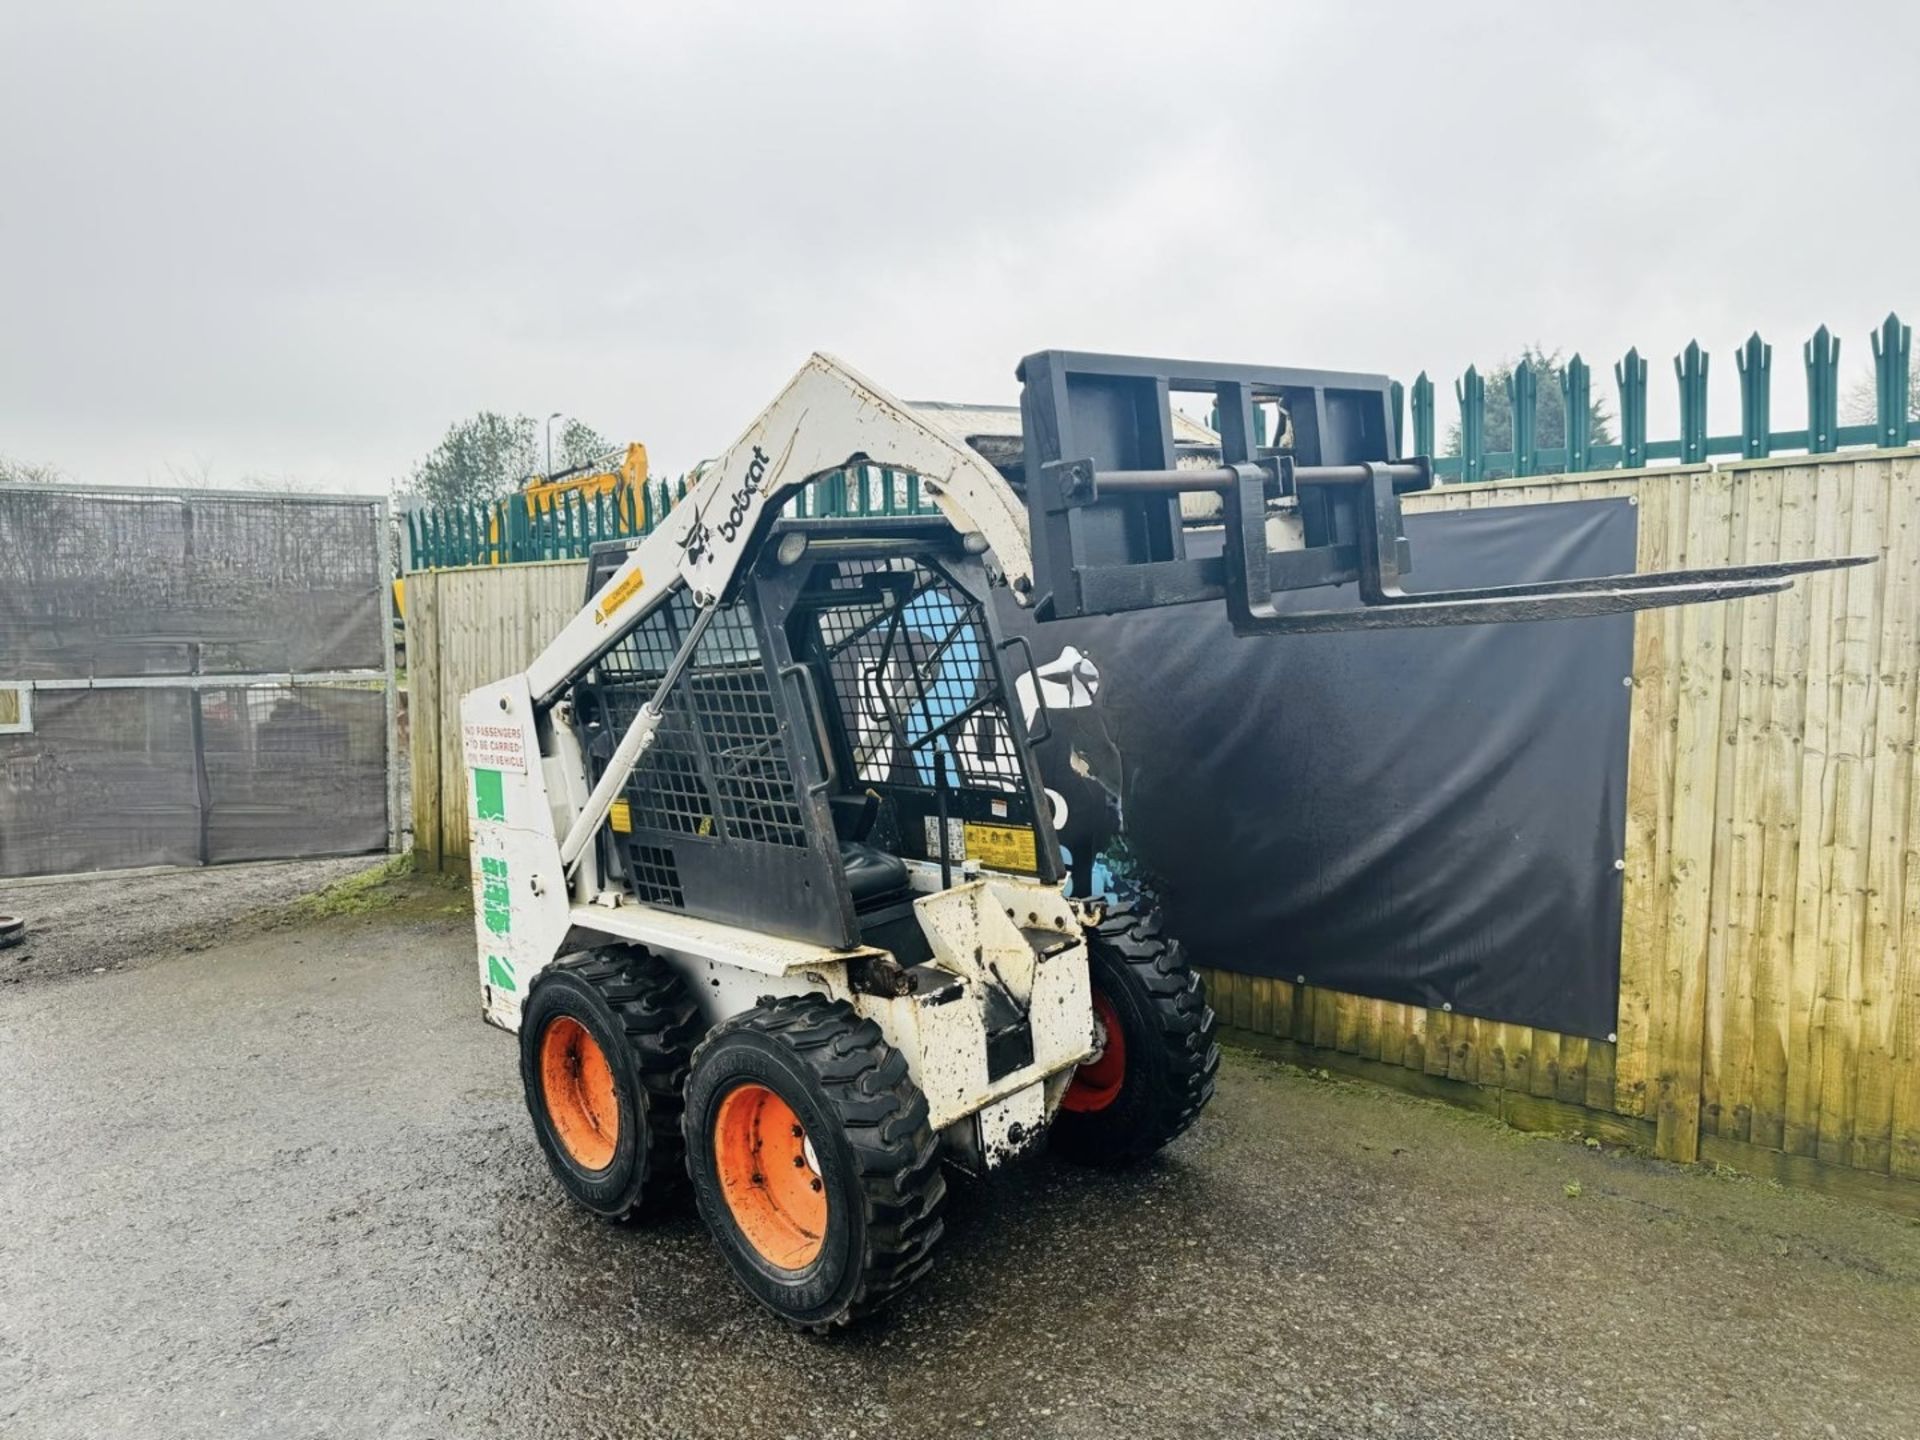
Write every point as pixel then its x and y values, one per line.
pixel 29 472
pixel 1861 404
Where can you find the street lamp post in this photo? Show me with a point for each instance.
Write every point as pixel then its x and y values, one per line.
pixel 550 419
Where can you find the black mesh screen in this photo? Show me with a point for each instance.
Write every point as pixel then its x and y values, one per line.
pixel 656 879
pixel 717 766
pixel 913 677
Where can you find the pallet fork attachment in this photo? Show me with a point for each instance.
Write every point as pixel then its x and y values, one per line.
pixel 1104 488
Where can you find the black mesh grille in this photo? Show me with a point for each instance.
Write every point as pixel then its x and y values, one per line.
pixel 717 766
pixel 913 677
pixel 656 879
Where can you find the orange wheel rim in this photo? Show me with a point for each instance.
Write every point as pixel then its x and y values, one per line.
pixel 770 1176
pixel 576 1084
pixel 1096 1084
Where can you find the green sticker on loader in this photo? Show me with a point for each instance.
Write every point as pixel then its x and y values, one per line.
pixel 496 905
pixel 499 973
pixel 489 797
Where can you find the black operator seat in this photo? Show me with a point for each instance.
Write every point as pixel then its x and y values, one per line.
pixel 872 874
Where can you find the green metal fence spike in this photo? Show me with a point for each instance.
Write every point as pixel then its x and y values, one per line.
pixel 1892 385
pixel 1690 366
pixel 1822 355
pixel 1523 406
pixel 1423 415
pixel 1471 391
pixel 1576 412
pixel 1397 398
pixel 1755 363
pixel 1631 376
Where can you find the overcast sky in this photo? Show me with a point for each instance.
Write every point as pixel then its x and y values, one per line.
pixel 243 238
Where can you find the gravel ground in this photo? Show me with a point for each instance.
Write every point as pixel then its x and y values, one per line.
pixel 76 924
pixel 286 1187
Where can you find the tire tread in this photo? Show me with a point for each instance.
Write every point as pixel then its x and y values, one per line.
pixel 889 1131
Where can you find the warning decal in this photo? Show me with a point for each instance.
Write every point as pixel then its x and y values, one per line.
pixel 1003 847
pixel 494 747
pixel 618 596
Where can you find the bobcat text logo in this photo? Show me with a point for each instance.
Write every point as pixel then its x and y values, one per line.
pixel 743 497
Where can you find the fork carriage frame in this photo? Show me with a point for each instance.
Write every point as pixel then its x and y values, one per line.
pixel 1103 491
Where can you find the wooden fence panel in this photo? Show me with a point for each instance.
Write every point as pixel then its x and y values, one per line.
pixel 467 628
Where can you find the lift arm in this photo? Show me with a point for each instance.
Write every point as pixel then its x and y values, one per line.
pixel 827 418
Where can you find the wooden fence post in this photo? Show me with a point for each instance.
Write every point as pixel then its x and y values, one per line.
pixel 423 713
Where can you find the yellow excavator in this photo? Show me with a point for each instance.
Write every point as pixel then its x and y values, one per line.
pixel 594 478
pixel 541 494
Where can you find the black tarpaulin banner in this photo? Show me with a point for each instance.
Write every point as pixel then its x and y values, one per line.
pixel 1427 816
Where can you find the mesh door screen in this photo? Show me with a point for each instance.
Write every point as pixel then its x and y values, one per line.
pixel 912 677
pixel 717 768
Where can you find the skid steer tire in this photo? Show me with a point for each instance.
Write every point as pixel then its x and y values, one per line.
pixel 1156 1072
pixel 813 1160
pixel 605 1042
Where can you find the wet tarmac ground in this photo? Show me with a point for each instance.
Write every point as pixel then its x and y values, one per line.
pixel 286 1187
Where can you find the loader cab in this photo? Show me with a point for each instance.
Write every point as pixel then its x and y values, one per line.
pixel 851 691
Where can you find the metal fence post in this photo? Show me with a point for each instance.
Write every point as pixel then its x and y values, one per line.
pixel 1755 362
pixel 1576 409
pixel 1690 366
pixel 1522 395
pixel 1822 354
pixel 1631 376
pixel 1423 416
pixel 1892 369
pixel 1471 391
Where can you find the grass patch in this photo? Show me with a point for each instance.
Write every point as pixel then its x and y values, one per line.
pixel 377 888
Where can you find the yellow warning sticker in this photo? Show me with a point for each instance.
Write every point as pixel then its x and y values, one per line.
pixel 1002 847
pixel 618 596
pixel 620 817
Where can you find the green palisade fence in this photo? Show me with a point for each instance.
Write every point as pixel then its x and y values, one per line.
pixel 1894 424
pixel 567 526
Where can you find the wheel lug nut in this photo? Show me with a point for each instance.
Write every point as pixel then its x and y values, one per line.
pixel 815 1184
pixel 798 1133
pixel 798 1161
